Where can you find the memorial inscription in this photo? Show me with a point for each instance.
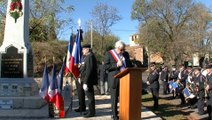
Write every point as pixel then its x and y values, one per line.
pixel 12 64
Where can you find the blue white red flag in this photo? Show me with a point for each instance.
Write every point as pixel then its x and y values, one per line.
pixel 76 55
pixel 68 56
pixel 60 76
pixel 54 95
pixel 59 104
pixel 45 85
pixel 52 91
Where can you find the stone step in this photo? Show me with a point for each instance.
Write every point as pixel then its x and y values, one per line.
pixel 30 113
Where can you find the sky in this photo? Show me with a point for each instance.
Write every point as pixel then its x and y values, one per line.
pixel 124 28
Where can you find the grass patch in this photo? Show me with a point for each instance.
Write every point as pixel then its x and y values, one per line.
pixel 168 108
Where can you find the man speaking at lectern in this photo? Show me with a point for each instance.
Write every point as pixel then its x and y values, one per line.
pixel 116 60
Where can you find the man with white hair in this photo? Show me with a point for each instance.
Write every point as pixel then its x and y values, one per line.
pixel 116 60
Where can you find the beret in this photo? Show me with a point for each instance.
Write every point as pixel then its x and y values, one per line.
pixel 197 68
pixel 86 46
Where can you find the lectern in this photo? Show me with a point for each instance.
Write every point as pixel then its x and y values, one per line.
pixel 130 93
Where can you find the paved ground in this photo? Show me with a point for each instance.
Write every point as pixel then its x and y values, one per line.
pixel 103 112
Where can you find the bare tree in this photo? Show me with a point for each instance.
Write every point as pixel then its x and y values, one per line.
pixel 104 17
pixel 169 26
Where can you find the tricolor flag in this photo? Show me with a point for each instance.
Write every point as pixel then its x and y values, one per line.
pixel 59 104
pixel 60 76
pixel 52 91
pixel 68 56
pixel 55 96
pixel 45 84
pixel 76 55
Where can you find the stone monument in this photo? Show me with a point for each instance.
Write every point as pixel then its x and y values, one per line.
pixel 16 57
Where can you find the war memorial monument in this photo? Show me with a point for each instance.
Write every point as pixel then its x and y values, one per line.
pixel 18 88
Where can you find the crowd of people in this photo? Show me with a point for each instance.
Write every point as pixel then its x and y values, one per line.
pixel 192 84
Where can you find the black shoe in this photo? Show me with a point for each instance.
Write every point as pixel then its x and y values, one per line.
pixel 88 115
pixel 85 113
pixel 80 110
pixel 115 117
pixel 201 113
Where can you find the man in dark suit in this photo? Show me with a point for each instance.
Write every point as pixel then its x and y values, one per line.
pixel 182 76
pixel 116 60
pixel 209 90
pixel 173 77
pixel 103 79
pixel 88 75
pixel 200 80
pixel 164 78
pixel 153 83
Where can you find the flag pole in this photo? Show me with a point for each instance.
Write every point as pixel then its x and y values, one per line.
pixel 45 59
pixel 79 27
pixel 79 23
pixel 53 59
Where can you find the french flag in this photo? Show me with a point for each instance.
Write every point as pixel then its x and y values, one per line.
pixel 60 76
pixel 53 87
pixel 76 55
pixel 55 96
pixel 68 56
pixel 45 85
pixel 59 103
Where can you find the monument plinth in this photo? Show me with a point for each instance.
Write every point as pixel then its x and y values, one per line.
pixel 16 56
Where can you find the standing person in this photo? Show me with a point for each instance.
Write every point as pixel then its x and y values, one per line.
pixel 81 96
pixel 88 75
pixel 173 74
pixel 153 83
pixel 182 76
pixel 209 90
pixel 116 60
pixel 200 80
pixel 103 79
pixel 164 78
pixel 173 78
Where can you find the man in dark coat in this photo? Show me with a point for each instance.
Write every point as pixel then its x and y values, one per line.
pixel 103 79
pixel 153 83
pixel 116 60
pixel 173 78
pixel 200 80
pixel 182 76
pixel 88 75
pixel 164 78
pixel 209 90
